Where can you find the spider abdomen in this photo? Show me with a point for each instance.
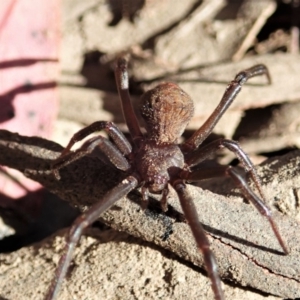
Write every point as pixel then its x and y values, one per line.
pixel 166 109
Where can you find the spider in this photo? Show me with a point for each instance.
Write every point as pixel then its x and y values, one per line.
pixel 155 161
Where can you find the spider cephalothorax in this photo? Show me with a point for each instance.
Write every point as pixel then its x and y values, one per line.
pixel 154 161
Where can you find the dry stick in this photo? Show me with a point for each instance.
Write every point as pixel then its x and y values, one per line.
pixel 242 241
pixel 206 11
pixel 248 41
pixel 295 40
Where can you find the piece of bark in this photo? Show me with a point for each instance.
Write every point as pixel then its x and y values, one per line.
pixel 211 33
pixel 270 129
pixel 90 25
pixel 245 247
pixel 169 53
pixel 108 265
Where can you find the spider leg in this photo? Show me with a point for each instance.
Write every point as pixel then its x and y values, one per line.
pixel 111 129
pixel 230 94
pixel 257 202
pixel 111 152
pixel 200 237
pixel 202 153
pixel 233 146
pixel 82 222
pixel 122 81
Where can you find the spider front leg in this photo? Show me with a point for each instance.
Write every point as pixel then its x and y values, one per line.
pixel 200 237
pixel 121 75
pixel 230 94
pixel 82 222
pixel 203 153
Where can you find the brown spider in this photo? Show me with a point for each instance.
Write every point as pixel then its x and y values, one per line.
pixel 155 161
